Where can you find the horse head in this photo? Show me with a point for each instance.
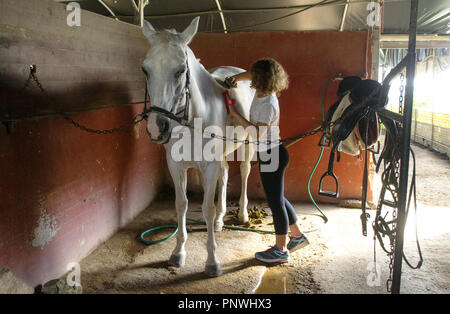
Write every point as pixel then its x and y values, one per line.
pixel 167 72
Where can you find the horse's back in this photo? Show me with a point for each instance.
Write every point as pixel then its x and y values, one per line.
pixel 222 72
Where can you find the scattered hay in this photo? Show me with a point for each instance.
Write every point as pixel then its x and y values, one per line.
pixel 256 216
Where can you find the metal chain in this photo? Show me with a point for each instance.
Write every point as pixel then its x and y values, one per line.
pixel 27 82
pixel 394 231
pixel 138 118
pixel 310 133
pixel 390 180
pixel 402 89
pixel 268 142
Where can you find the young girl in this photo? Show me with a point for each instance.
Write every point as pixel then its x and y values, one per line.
pixel 268 77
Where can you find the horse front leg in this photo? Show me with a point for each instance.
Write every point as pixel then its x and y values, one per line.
pixel 179 176
pixel 222 197
pixel 245 168
pixel 210 176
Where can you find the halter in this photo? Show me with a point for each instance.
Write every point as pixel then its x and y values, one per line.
pixel 168 114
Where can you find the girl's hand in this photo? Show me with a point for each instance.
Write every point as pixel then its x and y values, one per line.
pixel 232 110
pixel 231 81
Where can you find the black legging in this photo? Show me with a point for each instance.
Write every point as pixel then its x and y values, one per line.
pixel 273 182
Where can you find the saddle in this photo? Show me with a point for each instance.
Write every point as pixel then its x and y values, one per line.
pixel 351 116
pixel 352 125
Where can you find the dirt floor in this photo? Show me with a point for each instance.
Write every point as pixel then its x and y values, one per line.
pixel 339 259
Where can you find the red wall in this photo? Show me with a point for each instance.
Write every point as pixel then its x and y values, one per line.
pixel 310 58
pixel 86 185
pixel 64 191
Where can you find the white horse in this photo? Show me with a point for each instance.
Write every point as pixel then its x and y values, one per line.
pixel 176 81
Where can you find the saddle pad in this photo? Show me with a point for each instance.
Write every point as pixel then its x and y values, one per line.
pixel 350 145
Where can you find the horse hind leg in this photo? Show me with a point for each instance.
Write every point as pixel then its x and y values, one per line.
pixel 222 197
pixel 245 168
pixel 178 257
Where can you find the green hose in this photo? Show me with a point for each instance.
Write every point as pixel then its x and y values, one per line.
pixel 147 242
pixel 324 93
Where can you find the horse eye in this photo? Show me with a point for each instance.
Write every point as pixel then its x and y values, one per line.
pixel 179 73
pixel 145 71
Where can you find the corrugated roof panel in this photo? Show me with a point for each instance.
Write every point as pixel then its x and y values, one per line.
pixel 434 15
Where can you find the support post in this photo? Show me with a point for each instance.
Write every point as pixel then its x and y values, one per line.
pixel 109 9
pixel 344 16
pixel 375 52
pixel 222 17
pixel 139 11
pixel 406 138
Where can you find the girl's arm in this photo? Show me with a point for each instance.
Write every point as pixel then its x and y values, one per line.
pixel 244 76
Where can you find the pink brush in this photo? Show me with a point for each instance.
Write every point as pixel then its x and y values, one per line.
pixel 228 100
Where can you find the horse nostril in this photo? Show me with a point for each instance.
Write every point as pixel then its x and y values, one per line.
pixel 165 127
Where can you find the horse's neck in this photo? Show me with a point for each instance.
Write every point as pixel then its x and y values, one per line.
pixel 204 93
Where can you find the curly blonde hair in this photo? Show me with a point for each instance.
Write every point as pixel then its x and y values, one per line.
pixel 269 76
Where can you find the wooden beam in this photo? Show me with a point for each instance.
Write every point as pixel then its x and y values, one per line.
pixel 420 44
pixel 394 37
pixel 423 41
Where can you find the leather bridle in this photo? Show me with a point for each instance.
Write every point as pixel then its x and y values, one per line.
pixel 184 119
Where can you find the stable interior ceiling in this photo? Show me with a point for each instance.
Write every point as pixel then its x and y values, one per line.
pixel 280 15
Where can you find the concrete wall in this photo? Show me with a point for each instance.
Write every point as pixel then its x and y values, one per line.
pixel 64 191
pixel 310 58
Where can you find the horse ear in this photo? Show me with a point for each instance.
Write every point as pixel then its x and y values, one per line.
pixel 191 30
pixel 148 30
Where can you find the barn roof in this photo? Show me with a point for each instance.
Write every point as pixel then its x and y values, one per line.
pixel 280 15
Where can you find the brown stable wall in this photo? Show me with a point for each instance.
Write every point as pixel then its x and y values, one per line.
pixel 64 191
pixel 310 59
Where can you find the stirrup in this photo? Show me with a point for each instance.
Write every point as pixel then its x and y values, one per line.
pixel 329 193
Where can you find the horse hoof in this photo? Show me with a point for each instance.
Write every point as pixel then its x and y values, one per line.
pixel 177 260
pixel 213 270
pixel 218 226
pixel 243 219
